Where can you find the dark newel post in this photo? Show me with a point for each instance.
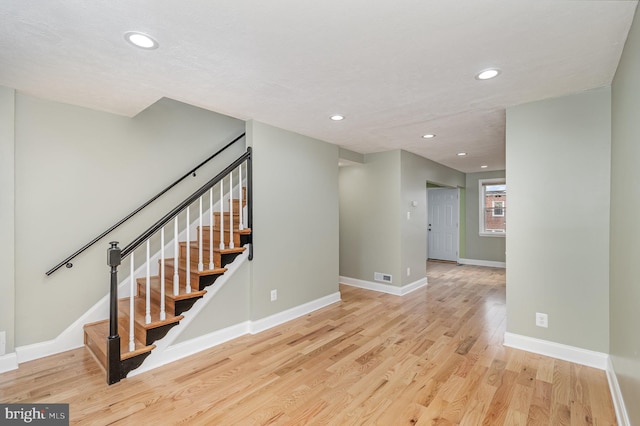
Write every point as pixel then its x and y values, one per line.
pixel 113 341
pixel 250 201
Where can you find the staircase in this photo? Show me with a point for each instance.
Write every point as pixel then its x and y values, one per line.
pixel 156 303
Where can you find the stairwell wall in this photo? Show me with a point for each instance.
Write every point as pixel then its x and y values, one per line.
pixel 78 171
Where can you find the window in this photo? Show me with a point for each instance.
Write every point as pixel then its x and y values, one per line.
pixel 498 208
pixel 493 207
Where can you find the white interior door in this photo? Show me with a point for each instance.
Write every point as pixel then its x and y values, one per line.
pixel 443 215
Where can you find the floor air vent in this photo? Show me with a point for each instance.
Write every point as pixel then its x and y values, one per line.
pixel 385 278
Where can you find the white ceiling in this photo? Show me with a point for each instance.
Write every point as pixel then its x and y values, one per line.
pixel 396 69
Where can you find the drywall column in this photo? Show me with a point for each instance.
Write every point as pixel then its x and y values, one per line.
pixel 7 222
pixel 625 226
pixel 295 219
pixel 558 172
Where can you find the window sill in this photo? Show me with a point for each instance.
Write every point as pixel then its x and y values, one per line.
pixel 493 234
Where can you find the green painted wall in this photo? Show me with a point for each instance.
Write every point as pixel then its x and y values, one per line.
pixel 624 289
pixel 558 150
pixel 462 250
pixel 7 215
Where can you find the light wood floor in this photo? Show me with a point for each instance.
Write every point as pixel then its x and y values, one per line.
pixel 434 356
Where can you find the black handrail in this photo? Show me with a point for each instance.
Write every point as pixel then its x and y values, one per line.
pixel 136 211
pixel 187 202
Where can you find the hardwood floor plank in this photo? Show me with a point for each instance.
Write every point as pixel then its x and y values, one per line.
pixel 432 357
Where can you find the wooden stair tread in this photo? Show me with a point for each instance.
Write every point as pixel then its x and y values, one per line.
pixel 140 313
pixel 194 269
pixel 194 245
pixel 205 250
pixel 98 333
pixel 168 288
pixel 236 228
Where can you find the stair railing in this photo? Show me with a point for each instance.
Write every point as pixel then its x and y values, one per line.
pixel 67 261
pixel 242 168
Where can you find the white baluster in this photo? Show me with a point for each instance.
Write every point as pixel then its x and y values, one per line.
pixel 200 263
pixel 188 259
pixel 211 266
pixel 222 214
pixel 176 252
pixel 231 209
pixel 147 318
pixel 132 312
pixel 163 314
pixel 240 208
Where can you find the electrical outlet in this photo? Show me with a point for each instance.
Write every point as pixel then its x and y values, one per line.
pixel 274 295
pixel 3 342
pixel 408 215
pixel 542 320
pixel 408 272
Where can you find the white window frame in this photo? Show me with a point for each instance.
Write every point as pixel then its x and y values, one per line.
pixel 482 207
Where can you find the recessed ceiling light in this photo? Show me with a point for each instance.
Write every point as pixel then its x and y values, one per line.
pixel 487 74
pixel 484 166
pixel 462 154
pixel 141 40
pixel 337 117
pixel 428 136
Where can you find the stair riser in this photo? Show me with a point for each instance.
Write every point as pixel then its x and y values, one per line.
pixel 194 259
pixel 169 304
pixel 236 220
pixel 216 239
pixel 139 331
pixel 194 283
pixel 96 349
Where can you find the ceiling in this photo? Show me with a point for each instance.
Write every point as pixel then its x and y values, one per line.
pixel 395 69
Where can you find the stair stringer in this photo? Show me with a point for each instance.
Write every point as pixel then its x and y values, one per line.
pixel 162 355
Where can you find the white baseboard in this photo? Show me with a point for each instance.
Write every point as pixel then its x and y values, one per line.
pixel 293 313
pixel 166 354
pixel 8 362
pixel 622 415
pixel 478 262
pixel 557 350
pixel 71 338
pixel 385 288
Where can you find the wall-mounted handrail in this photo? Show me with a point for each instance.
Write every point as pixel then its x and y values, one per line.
pixel 67 261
